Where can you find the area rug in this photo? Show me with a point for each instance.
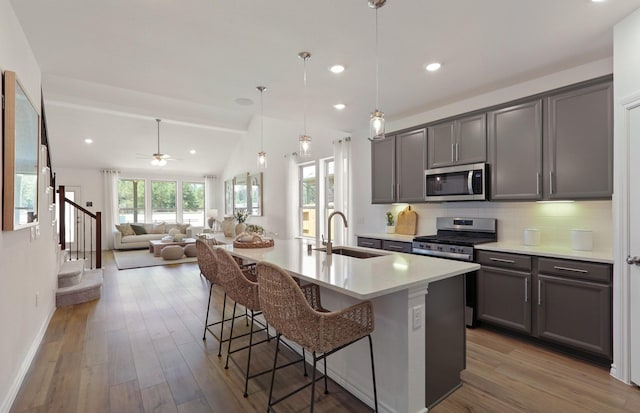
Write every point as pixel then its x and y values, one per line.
pixel 143 258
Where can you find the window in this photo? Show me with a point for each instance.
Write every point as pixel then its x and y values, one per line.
pixel 308 200
pixel 131 204
pixel 193 203
pixel 163 201
pixel 329 185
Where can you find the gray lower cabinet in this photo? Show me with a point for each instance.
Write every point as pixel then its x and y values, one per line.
pixel 574 309
pixel 397 246
pixel 514 139
pixel 397 168
pixel 369 242
pixel 504 290
pixel 568 303
pixel 460 141
pixel 579 143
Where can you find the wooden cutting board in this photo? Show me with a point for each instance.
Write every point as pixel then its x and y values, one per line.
pixel 407 222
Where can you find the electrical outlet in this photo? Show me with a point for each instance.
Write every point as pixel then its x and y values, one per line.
pixel 417 317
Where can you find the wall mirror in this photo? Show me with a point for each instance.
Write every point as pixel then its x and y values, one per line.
pixel 255 194
pixel 240 193
pixel 228 197
pixel 21 149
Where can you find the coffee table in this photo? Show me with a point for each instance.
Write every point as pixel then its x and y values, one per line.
pixel 156 245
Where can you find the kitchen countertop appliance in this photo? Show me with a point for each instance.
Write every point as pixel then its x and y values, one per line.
pixel 455 239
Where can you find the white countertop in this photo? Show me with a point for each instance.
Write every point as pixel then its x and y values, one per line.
pixel 549 251
pixel 362 278
pixel 389 237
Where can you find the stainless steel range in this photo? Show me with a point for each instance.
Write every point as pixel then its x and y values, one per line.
pixel 455 239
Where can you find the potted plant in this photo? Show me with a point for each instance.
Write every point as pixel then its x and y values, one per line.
pixel 391 228
pixel 241 216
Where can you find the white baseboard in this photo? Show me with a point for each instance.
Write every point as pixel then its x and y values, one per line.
pixel 26 363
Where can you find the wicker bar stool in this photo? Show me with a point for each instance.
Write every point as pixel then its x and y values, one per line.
pixel 286 308
pixel 207 262
pixel 242 291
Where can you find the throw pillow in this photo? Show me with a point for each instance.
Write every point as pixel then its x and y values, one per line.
pixel 174 231
pixel 182 228
pixel 138 229
pixel 159 228
pixel 125 229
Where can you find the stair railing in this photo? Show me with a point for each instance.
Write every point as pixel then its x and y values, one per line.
pixel 85 221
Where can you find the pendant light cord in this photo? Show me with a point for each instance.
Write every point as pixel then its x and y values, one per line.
pixel 305 94
pixel 377 65
pixel 261 122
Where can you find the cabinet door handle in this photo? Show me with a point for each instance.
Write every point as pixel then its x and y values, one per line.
pixel 550 182
pixel 394 247
pixel 457 152
pixel 571 269
pixel 538 183
pixel 526 290
pixel 539 291
pixel 502 260
pixel 366 243
pixel 453 152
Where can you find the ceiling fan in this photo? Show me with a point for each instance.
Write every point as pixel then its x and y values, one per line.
pixel 159 158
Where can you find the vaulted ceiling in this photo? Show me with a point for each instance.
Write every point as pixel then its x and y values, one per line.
pixel 111 67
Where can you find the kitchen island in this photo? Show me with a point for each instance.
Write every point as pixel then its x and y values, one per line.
pixel 418 302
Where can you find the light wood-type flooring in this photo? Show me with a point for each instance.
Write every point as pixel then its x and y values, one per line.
pixel 139 349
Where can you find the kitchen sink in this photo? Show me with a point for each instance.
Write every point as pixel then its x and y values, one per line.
pixel 349 252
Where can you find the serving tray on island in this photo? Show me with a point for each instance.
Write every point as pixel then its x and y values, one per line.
pixel 265 243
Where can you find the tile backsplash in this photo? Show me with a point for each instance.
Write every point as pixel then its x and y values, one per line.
pixel 553 220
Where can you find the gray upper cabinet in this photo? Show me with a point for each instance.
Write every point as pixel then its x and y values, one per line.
pixel 460 141
pixel 411 161
pixel 514 136
pixel 397 168
pixel 383 164
pixel 579 143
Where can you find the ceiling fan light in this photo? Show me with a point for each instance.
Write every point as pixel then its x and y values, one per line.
pixel 376 125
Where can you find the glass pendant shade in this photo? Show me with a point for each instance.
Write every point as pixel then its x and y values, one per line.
pixel 305 146
pixel 376 125
pixel 262 160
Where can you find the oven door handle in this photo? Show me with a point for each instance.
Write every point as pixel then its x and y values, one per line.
pixel 470 182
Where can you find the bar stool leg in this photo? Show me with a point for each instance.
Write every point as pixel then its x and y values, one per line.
pixel 313 381
pixel 246 375
pixel 273 371
pixel 373 375
pixel 304 363
pixel 326 391
pixel 224 307
pixel 233 319
pixel 206 320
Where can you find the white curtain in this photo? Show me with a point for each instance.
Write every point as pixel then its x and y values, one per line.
pixel 342 189
pixel 210 197
pixel 293 199
pixel 110 215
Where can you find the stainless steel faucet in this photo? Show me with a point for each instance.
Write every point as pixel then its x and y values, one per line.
pixel 346 225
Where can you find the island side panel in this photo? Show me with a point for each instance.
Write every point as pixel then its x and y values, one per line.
pixel 445 338
pixel 393 347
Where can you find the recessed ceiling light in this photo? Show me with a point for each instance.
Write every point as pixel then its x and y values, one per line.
pixel 88 140
pixel 336 69
pixel 432 67
pixel 244 101
pixel 192 151
pixel 598 1
pixel 339 106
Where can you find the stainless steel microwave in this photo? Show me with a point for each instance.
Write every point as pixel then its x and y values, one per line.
pixel 457 183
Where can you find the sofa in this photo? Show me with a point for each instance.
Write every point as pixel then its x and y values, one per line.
pixel 138 235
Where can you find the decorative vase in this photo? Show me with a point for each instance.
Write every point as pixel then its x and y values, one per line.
pixel 240 228
pixel 228 227
pixel 391 229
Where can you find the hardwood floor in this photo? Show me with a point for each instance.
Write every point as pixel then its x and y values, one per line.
pixel 139 349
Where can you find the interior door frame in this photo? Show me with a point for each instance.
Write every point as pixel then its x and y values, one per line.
pixel 621 209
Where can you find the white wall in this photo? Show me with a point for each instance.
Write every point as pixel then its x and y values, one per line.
pixel 626 66
pixel 513 217
pixel 280 139
pixel 26 266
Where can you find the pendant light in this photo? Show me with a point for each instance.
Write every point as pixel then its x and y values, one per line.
pixel 304 139
pixel 262 155
pixel 376 121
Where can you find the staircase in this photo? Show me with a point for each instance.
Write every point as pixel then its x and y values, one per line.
pixel 76 283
